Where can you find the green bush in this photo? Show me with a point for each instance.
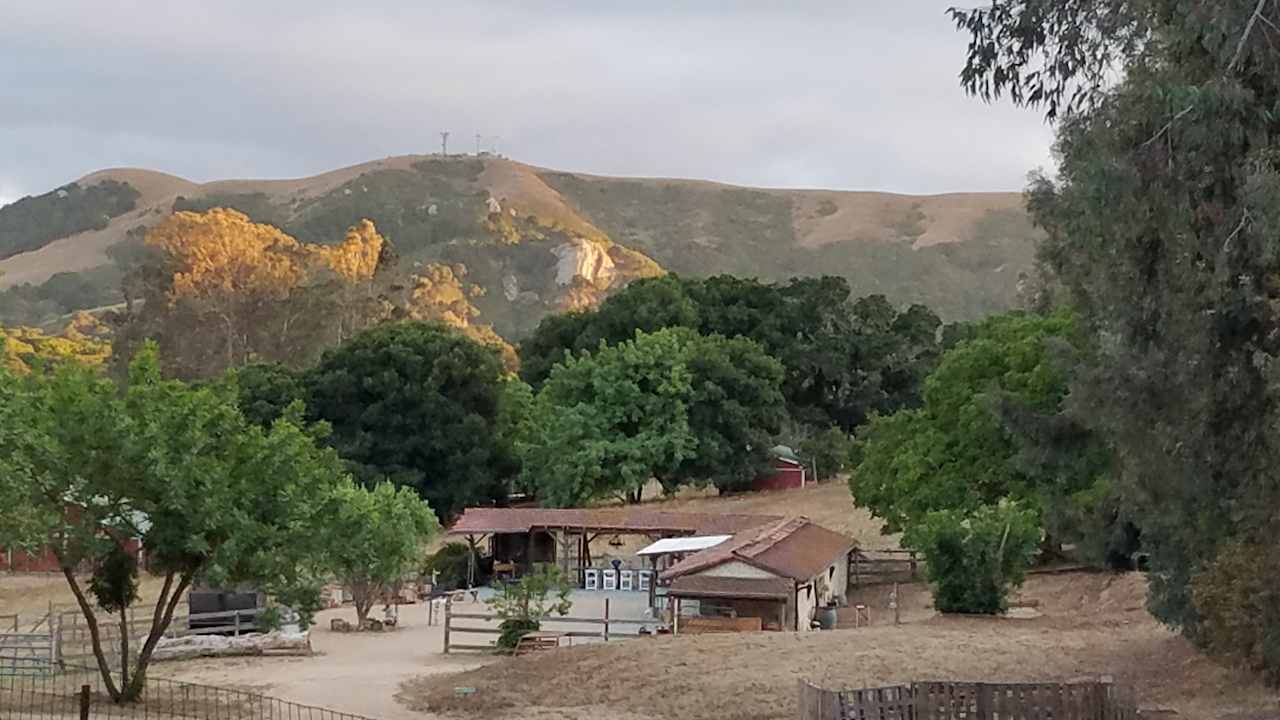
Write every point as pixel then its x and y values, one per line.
pixel 973 560
pixel 514 629
pixel 524 604
pixel 1238 600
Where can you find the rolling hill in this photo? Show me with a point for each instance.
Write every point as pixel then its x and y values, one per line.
pixel 537 240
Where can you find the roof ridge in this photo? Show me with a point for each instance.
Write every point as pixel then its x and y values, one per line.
pixel 770 536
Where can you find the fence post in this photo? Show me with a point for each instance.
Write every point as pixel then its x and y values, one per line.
pixel 237 619
pixel 448 615
pixel 84 702
pixel 606 619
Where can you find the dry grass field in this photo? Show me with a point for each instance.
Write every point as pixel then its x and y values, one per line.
pixel 1088 625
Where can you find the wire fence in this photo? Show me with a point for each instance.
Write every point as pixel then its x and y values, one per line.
pixel 66 693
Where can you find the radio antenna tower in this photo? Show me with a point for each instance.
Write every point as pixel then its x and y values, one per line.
pixel 444 143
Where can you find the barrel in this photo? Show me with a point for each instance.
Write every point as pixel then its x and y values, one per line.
pixel 827 617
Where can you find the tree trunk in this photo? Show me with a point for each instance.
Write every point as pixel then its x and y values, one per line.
pixel 361 597
pixel 94 635
pixel 124 647
pixel 633 496
pixel 160 620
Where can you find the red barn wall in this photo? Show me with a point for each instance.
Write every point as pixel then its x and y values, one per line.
pixel 785 476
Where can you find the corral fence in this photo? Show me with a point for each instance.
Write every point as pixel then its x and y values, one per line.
pixel 63 636
pixel 487 624
pixel 880 567
pixel 1092 700
pixel 78 692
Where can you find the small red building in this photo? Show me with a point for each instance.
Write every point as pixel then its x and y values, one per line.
pixel 43 561
pixel 788 472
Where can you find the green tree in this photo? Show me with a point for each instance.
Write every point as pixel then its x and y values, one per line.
pixel 210 494
pixel 828 453
pixel 418 404
pixel 372 538
pixel 956 451
pixel 974 559
pixel 734 408
pixel 266 390
pixel 671 406
pixel 842 359
pixel 648 304
pixel 606 424
pixel 524 604
pixel 1161 226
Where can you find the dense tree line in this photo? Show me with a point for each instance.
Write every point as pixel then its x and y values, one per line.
pixel 1161 229
pixel 842 358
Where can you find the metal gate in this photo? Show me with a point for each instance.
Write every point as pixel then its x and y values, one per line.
pixel 27 653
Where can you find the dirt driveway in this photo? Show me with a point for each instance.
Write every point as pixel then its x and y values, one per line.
pixel 361 673
pixel 353 672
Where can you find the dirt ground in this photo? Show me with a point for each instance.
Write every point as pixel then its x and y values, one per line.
pixel 828 505
pixel 1083 626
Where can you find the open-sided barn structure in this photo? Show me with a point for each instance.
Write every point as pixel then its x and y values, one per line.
pixel 522 537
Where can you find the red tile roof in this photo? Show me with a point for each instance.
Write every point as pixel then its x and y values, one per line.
pixel 792 548
pixel 730 587
pixel 478 521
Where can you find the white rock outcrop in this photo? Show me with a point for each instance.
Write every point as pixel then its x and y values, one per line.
pixel 580 258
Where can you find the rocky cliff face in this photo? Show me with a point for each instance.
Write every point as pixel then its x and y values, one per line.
pixel 579 258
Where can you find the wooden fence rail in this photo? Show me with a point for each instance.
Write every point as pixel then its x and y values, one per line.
pixel 1095 700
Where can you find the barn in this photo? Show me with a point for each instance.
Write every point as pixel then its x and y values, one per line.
pixel 788 471
pixel 770 578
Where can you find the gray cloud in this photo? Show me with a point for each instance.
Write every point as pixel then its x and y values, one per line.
pixel 822 94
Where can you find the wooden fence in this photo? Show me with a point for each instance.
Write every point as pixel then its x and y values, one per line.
pixel 878 567
pixel 707 625
pixel 63 636
pixel 603 625
pixel 970 701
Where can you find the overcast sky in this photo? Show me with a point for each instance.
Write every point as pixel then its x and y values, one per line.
pixel 852 95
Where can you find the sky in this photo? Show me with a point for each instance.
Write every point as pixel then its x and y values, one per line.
pixel 847 95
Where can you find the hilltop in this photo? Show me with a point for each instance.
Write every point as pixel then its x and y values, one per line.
pixel 536 240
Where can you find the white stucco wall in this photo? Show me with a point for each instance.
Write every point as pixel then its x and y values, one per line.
pixel 832 583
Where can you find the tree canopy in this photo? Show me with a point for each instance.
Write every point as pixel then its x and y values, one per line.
pixel 87 465
pixel 417 404
pixel 671 406
pixel 372 538
pixel 842 359
pixel 959 452
pixel 1161 226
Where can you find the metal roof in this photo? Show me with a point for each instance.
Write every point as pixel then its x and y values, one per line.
pixel 705 586
pixel 793 548
pixel 666 546
pixel 480 521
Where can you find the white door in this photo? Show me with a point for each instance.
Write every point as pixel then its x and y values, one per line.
pixel 610 579
pixel 625 580
pixel 591 579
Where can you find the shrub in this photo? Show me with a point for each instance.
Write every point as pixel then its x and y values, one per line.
pixel 1238 599
pixel 514 629
pixel 524 604
pixel 973 560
